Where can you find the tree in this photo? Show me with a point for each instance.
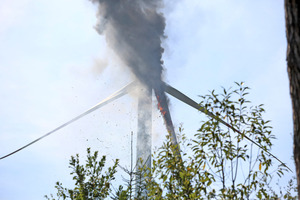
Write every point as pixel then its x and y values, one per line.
pixel 90 183
pixel 292 17
pixel 216 163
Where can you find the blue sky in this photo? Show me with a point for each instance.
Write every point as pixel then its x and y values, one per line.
pixel 54 65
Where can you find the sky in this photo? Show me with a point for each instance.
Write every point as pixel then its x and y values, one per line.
pixel 54 66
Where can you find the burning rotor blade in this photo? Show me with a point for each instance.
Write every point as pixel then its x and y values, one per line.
pixel 164 109
pixel 111 98
pixel 182 97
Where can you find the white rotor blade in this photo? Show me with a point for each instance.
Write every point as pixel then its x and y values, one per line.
pixel 109 99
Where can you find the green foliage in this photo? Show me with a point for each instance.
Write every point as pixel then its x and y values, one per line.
pixel 90 183
pixel 242 168
pixel 173 178
pixel 219 163
pixel 216 163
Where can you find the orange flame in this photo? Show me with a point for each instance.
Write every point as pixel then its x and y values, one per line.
pixel 163 112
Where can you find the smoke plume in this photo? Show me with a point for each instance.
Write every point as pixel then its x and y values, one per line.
pixel 134 30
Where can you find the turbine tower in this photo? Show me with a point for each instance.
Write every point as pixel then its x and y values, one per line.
pixel 144 128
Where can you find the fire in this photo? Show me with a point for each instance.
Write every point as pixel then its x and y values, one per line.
pixel 161 109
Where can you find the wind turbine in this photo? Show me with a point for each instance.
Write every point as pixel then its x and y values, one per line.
pixel 134 30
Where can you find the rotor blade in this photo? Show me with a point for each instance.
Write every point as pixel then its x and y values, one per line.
pixel 111 98
pixel 182 97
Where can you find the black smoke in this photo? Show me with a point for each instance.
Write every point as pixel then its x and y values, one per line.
pixel 134 29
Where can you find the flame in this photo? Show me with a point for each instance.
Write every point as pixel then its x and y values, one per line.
pixel 161 109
